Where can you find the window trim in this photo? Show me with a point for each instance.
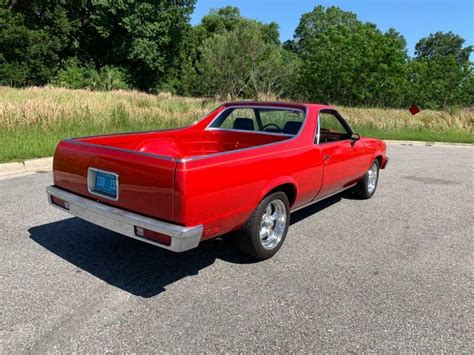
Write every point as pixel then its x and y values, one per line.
pixel 339 117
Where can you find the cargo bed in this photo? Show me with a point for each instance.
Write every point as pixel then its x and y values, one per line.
pixel 185 143
pixel 146 184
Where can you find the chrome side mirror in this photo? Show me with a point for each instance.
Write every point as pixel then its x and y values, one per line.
pixel 355 137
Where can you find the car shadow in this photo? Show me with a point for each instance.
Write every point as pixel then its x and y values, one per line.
pixel 134 266
pixel 126 263
pixel 315 208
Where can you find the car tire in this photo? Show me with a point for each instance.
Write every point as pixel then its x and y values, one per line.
pixel 265 231
pixel 366 188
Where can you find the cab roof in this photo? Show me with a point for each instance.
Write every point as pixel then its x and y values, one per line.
pixel 298 105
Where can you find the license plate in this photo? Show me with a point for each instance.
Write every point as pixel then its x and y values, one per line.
pixel 103 184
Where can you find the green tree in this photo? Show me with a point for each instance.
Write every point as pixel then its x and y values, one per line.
pixel 349 62
pixel 317 22
pixel 143 37
pixel 442 44
pixel 441 74
pixel 34 35
pixel 221 20
pixel 216 26
pixel 239 63
pixel 227 18
pixel 467 89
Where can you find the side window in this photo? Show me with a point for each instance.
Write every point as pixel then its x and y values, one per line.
pixel 331 129
pixel 240 118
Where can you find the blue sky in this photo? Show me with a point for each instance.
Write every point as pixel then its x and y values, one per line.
pixel 412 18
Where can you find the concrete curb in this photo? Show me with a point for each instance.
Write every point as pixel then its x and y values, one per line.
pixel 42 164
pixel 12 168
pixel 46 164
pixel 429 144
pixel 31 165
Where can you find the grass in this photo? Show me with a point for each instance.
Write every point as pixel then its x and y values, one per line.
pixel 428 125
pixel 33 120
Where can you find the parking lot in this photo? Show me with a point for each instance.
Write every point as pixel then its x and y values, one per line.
pixel 390 274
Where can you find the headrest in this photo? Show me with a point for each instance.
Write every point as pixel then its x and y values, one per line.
pixel 244 123
pixel 292 127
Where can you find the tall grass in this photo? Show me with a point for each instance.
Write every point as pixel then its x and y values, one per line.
pixel 433 126
pixel 33 120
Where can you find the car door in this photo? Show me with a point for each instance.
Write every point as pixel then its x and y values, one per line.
pixel 343 157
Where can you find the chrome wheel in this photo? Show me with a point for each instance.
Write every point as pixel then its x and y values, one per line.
pixel 372 178
pixel 273 224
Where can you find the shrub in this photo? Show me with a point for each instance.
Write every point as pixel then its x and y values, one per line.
pixel 77 76
pixel 74 76
pixel 111 78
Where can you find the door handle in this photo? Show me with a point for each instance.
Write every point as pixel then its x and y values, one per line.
pixel 327 157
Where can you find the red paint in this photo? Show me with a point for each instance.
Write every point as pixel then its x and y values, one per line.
pixel 179 176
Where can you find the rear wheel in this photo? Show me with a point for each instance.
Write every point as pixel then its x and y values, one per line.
pixel 365 189
pixel 265 231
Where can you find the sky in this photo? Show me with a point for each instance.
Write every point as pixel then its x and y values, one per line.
pixel 414 19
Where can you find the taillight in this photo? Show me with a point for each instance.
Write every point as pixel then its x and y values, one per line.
pixel 152 235
pixel 61 203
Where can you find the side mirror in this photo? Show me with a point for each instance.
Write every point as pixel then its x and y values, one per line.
pixel 355 137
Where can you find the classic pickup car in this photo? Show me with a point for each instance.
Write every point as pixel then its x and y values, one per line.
pixel 239 171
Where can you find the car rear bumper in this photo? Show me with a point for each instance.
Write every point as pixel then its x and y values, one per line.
pixel 124 222
pixel 385 162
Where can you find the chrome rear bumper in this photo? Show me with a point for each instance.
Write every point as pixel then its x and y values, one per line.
pixel 124 222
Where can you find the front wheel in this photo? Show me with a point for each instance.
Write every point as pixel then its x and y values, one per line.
pixel 264 232
pixel 365 189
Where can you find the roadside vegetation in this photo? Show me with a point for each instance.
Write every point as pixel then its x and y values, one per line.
pixel 74 68
pixel 33 120
pixel 151 46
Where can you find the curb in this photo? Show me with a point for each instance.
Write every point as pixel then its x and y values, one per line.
pixel 31 165
pixel 46 164
pixel 428 144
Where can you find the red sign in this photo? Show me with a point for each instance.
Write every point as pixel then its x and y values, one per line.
pixel 414 109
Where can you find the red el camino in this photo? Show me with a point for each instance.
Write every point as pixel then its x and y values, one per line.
pixel 243 169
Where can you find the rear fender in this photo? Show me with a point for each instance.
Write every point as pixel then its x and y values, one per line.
pixel 273 184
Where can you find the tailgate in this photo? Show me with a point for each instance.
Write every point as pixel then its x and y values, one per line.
pixel 145 182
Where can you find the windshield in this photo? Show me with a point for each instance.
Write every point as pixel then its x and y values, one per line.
pixel 272 120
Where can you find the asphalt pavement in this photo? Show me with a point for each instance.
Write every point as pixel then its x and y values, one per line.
pixel 389 274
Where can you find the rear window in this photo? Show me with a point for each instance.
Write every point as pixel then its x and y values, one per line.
pixel 267 120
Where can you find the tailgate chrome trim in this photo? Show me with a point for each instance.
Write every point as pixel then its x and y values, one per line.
pixel 124 222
